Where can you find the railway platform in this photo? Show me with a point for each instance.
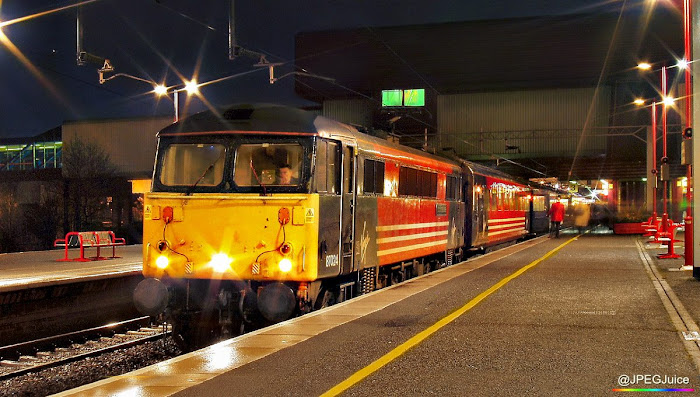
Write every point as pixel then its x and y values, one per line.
pixel 23 270
pixel 584 314
pixel 42 296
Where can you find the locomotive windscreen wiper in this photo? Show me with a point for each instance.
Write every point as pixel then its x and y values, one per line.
pixel 191 188
pixel 262 185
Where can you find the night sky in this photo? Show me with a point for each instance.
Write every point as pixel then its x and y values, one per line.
pixel 170 40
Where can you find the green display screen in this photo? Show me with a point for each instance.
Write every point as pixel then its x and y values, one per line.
pixel 414 97
pixel 397 98
pixel 391 97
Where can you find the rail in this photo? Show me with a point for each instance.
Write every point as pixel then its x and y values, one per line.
pixel 82 240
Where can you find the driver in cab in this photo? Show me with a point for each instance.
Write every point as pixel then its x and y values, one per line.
pixel 285 176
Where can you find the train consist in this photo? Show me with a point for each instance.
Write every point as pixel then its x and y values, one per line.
pixel 231 238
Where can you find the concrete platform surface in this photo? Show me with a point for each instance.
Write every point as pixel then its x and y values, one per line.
pixel 578 315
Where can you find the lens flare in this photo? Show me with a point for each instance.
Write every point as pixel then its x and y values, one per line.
pixel 220 262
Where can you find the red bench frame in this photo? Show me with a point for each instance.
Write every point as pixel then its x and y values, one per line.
pixel 90 240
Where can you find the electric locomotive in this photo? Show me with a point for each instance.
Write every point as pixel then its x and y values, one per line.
pixel 227 243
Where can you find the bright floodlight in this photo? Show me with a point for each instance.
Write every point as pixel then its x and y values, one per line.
pixel 644 66
pixel 668 101
pixel 639 101
pixel 682 64
pixel 220 262
pixel 285 265
pixel 162 262
pixel 160 89
pixel 191 87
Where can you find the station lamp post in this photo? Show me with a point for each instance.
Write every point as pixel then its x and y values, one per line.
pixel 666 101
pixel 654 171
pixel 190 87
pixel 665 172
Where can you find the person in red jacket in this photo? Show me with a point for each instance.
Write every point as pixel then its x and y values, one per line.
pixel 556 217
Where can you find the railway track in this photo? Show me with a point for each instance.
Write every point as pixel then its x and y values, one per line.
pixel 32 356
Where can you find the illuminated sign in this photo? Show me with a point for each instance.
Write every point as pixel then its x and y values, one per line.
pixel 499 187
pixel 408 98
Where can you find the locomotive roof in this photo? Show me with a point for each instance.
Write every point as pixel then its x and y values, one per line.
pixel 488 171
pixel 246 117
pixel 260 118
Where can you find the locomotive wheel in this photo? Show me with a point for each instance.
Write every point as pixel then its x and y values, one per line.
pixel 193 330
pixel 418 268
pixel 327 297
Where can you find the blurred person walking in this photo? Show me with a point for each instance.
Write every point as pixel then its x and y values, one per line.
pixel 556 217
pixel 582 215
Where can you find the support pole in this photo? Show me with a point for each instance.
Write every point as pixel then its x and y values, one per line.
pixel 688 245
pixel 695 111
pixel 664 159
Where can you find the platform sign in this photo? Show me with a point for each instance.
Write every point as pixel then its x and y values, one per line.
pixel 414 97
pixel 403 98
pixel 391 97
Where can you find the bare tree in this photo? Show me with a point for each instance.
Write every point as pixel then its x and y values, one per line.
pixel 89 172
pixel 8 222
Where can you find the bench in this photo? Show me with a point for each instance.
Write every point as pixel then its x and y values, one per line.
pixel 668 238
pixel 84 240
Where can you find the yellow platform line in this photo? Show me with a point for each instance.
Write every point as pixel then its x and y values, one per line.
pixel 418 338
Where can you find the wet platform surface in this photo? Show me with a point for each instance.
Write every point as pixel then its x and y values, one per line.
pixel 39 268
pixel 577 315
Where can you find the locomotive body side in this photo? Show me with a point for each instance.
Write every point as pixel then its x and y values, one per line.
pixel 405 213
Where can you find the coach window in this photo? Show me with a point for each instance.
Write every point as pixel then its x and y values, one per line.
pixel 538 203
pixel 452 188
pixel 373 177
pixel 433 185
pixel 419 183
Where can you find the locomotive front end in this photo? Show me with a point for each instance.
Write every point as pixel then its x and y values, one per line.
pixel 230 238
pixel 230 228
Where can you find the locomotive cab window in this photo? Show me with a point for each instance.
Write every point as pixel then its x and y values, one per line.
pixel 198 164
pixel 276 164
pixel 327 170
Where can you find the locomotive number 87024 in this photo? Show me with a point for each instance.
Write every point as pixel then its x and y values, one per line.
pixel 260 213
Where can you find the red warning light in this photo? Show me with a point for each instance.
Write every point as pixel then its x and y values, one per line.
pixel 283 216
pixel 168 214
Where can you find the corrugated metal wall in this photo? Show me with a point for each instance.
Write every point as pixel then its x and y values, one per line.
pixel 524 123
pixel 350 111
pixel 130 143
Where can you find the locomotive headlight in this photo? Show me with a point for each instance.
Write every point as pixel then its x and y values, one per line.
pixel 285 265
pixel 162 262
pixel 220 262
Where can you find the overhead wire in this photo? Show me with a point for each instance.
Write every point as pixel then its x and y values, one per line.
pixel 283 61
